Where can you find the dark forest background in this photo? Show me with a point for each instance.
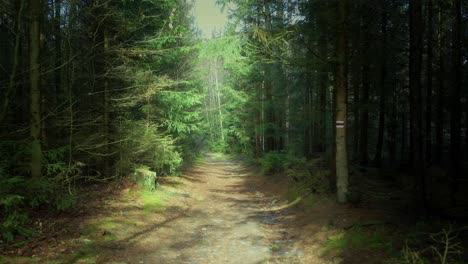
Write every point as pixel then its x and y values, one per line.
pixel 91 91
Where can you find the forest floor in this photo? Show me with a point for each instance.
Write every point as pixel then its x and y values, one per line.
pixel 219 211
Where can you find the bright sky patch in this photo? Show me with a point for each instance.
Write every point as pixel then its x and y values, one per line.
pixel 208 17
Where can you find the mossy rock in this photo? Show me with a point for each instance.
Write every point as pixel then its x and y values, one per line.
pixel 145 178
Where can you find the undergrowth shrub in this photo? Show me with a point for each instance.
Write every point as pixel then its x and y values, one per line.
pixel 12 217
pixel 308 175
pixel 357 238
pixel 192 148
pixel 19 194
pixel 238 141
pixel 442 247
pixel 273 162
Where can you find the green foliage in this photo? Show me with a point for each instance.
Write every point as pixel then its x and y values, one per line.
pixel 191 147
pixel 273 162
pixel 159 113
pixel 237 136
pixel 178 111
pixel 65 200
pixel 357 239
pixel 20 260
pixel 222 67
pixel 127 104
pixel 230 49
pixel 153 201
pixel 218 146
pixel 12 202
pixel 18 194
pixel 147 146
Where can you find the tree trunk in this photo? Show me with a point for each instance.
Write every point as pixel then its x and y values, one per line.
pixel 58 49
pixel 404 135
pixel 323 83
pixel 392 130
pixel 35 7
pixel 14 69
pixel 439 124
pixel 218 99
pixel 341 151
pixel 258 123
pixel 428 130
pixel 364 100
pixel 356 83
pixel 308 137
pixel 415 64
pixel 280 117
pixel 106 102
pixel 455 100
pixel 269 114
pixel 383 86
pixel 70 80
pixel 287 122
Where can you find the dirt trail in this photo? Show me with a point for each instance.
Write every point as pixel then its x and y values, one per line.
pixel 219 218
pixel 220 211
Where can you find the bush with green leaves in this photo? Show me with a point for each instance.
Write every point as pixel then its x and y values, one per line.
pixel 192 147
pixel 218 146
pixel 273 162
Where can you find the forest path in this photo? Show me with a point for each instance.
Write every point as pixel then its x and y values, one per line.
pixel 219 216
pixel 219 211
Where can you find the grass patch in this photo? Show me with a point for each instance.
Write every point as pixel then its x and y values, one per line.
pixel 90 231
pixel 153 201
pixel 357 239
pixel 219 156
pixel 104 229
pixel 19 260
pixel 130 195
pixel 87 254
pixel 109 224
pixel 275 247
pixel 198 160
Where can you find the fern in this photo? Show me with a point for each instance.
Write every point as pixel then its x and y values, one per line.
pixel 13 224
pixel 10 200
pixel 17 195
